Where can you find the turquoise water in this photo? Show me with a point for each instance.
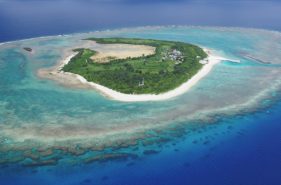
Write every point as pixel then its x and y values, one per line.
pixel 64 135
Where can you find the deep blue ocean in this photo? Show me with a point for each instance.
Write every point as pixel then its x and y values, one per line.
pixel 243 149
pixel 246 151
pixel 32 18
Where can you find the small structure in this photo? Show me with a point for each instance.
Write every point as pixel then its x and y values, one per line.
pixel 141 83
pixel 175 55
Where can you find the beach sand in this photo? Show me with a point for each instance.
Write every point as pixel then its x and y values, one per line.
pixel 74 80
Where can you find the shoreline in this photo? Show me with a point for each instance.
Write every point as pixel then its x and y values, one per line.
pixel 75 80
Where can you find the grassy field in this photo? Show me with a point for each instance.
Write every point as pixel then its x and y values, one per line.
pixel 172 64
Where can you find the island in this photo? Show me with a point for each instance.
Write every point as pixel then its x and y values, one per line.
pixel 134 69
pixel 167 67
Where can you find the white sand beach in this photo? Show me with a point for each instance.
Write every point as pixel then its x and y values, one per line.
pixel 70 79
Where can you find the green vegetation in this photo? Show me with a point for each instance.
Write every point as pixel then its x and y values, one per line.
pixel 172 64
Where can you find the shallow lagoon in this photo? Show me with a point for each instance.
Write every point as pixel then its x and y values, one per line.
pixel 43 123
